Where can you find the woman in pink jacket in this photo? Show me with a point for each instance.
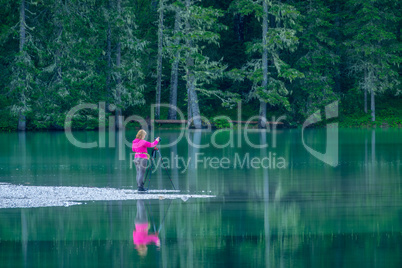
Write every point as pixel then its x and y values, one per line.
pixel 141 156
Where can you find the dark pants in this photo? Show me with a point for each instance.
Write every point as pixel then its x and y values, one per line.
pixel 140 165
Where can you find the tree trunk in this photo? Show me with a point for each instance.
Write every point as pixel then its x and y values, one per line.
pixel 175 69
pixel 365 100
pixel 372 103
pixel 21 117
pixel 239 27
pixel 118 113
pixel 159 70
pixel 262 120
pixel 189 114
pixel 365 90
pixel 109 58
pixel 59 26
pixel 338 38
pixel 192 95
pixel 58 11
pixel 195 110
pixel 22 25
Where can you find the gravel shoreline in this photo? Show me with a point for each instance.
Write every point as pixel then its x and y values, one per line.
pixel 19 196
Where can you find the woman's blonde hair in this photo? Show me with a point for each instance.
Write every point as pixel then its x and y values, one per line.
pixel 141 134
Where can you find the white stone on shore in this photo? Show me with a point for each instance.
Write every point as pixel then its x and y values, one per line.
pixel 19 196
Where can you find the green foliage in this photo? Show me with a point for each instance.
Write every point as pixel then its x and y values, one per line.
pixel 372 44
pixel 281 36
pixel 8 122
pixel 220 123
pixel 317 59
pixel 203 32
pixel 389 115
pixel 128 76
pixel 317 52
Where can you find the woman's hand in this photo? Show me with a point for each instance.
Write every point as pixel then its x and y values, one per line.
pixel 158 139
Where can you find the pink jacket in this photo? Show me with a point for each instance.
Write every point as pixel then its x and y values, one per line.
pixel 141 236
pixel 140 146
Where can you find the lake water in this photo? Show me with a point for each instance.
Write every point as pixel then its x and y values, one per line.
pixel 269 207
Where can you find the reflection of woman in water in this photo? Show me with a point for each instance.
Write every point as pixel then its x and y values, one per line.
pixel 140 148
pixel 141 238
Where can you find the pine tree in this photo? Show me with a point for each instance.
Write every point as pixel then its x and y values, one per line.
pixel 127 72
pixel 9 21
pixel 69 43
pixel 109 14
pixel 51 101
pixel 373 51
pixel 175 51
pixel 200 29
pixel 22 82
pixel 267 71
pixel 318 60
pixel 159 61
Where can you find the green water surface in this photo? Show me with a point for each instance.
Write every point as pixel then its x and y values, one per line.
pixel 301 213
